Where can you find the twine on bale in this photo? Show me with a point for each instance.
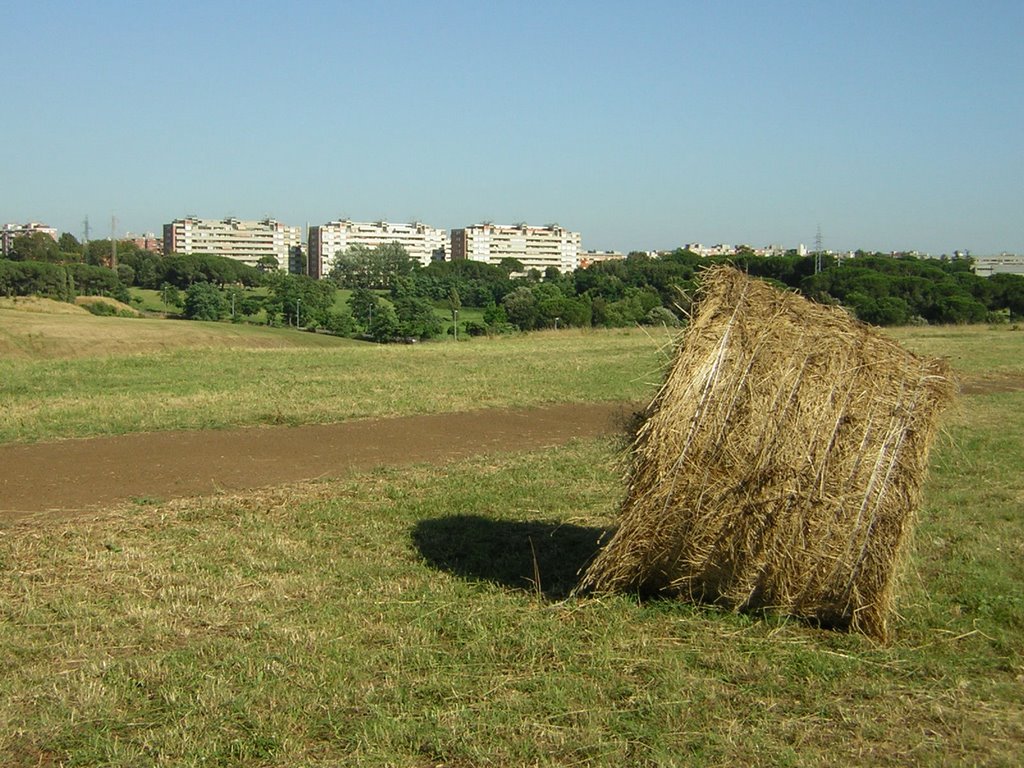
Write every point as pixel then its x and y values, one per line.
pixel 780 464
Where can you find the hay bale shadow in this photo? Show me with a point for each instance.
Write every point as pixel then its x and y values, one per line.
pixel 510 554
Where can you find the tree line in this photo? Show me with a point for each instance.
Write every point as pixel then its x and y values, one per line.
pixel 395 297
pixel 657 290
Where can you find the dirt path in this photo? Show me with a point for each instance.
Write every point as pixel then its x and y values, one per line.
pixel 71 477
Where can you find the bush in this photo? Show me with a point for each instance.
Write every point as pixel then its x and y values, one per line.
pixel 104 308
pixel 340 323
pixel 203 301
pixel 661 316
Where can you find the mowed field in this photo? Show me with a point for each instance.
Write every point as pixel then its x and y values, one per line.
pixel 75 375
pixel 420 616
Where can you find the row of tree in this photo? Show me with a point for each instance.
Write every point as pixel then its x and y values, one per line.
pixel 879 289
pixel 62 282
pixel 883 290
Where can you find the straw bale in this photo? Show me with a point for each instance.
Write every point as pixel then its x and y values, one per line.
pixel 780 464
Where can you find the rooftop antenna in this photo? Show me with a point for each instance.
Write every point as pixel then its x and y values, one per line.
pixel 817 251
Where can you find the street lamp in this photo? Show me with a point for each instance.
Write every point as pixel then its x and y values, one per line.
pixel 297 319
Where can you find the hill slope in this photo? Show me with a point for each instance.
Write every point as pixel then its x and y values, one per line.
pixel 46 329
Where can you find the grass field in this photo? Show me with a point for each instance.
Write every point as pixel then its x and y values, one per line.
pixel 420 617
pixel 65 376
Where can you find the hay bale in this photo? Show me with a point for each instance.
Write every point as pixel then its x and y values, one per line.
pixel 780 465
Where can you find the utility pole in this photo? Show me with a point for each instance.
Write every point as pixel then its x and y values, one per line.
pixel 817 251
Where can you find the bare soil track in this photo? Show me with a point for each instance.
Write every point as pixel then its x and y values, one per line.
pixel 71 477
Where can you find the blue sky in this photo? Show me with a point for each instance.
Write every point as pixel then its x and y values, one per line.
pixel 891 125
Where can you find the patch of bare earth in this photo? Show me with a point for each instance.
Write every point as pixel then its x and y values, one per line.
pixel 992 383
pixel 72 477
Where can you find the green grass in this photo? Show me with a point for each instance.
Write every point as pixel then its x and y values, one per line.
pixel 188 387
pixel 973 349
pixel 420 617
pixel 150 300
pixel 394 618
pixel 341 297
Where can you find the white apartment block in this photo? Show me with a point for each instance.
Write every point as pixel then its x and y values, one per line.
pixel 536 247
pixel 721 249
pixel 246 241
pixel 10 231
pixel 1004 263
pixel 326 241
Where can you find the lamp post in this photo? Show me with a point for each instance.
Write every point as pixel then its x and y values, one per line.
pixel 297 319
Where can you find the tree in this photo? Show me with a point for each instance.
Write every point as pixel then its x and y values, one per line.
pixel 416 318
pixel 351 267
pixel 98 281
pixel 147 265
pixel 511 265
pixel 126 274
pixel 340 323
pixel 170 295
pixel 68 244
pixel 300 299
pixel 495 318
pixel 204 301
pixel 380 267
pixel 33 278
pixel 1008 293
pixel 363 303
pixel 454 304
pixel 267 264
pixel 100 253
pixel 183 269
pixel 395 262
pixel 37 246
pixel 521 308
pixel 384 326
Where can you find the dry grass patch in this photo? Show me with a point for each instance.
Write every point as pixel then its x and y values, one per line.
pixel 40 330
pixel 39 305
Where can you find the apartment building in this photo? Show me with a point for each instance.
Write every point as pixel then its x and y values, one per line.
pixel 596 257
pixel 536 247
pixel 246 241
pixel 147 242
pixel 1004 263
pixel 10 231
pixel 721 249
pixel 423 243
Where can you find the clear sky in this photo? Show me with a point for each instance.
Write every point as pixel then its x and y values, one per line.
pixel 891 125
